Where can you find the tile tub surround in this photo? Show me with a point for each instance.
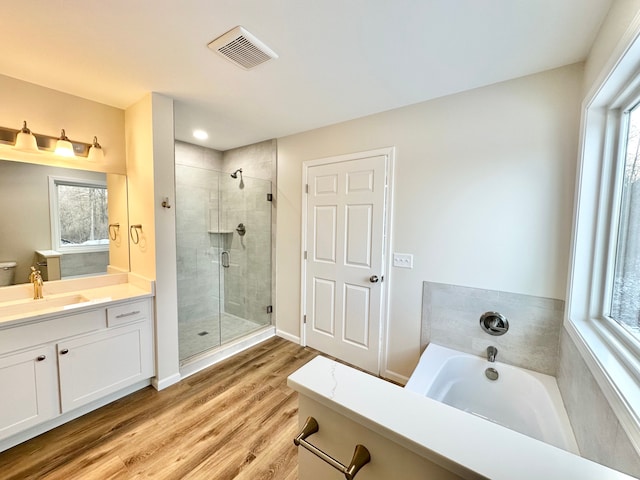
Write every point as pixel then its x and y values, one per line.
pixel 599 434
pixel 451 318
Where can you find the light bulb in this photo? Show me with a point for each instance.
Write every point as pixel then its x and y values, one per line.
pixel 64 147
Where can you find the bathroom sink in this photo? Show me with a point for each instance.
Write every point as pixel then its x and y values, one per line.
pixel 31 306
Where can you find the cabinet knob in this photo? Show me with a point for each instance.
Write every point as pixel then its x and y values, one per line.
pixel 64 351
pixel 41 357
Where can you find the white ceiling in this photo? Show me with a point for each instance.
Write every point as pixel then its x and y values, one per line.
pixel 338 59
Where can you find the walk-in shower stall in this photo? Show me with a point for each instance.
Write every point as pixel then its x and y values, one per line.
pixel 223 236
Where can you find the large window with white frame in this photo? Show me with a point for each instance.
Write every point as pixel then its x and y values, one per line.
pixel 624 287
pixel 79 219
pixel 603 307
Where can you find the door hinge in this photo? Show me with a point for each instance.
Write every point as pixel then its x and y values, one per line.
pixel 304 319
pixel 305 254
pixel 306 188
pixel 269 197
pixel 269 308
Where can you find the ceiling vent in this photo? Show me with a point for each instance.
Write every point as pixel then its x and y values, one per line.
pixel 242 48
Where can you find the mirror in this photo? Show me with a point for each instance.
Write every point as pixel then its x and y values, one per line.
pixel 26 219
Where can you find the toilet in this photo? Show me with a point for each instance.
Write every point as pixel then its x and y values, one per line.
pixel 7 273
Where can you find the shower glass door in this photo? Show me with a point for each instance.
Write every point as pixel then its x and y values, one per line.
pixel 223 237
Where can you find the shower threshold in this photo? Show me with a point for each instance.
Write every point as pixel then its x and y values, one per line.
pixel 202 360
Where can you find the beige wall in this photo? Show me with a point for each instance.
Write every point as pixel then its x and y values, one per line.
pixel 118 213
pixel 48 111
pixel 139 141
pixel 484 185
pixel 150 175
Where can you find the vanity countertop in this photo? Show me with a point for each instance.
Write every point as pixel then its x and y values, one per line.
pixel 445 435
pixel 65 297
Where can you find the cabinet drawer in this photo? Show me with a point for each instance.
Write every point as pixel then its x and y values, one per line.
pixel 127 313
pixel 25 336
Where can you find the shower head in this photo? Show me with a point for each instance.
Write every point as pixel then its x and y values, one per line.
pixel 235 174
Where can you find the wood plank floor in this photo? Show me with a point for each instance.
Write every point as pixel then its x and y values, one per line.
pixel 235 420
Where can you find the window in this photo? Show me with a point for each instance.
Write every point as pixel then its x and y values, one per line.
pixel 79 220
pixel 625 294
pixel 603 304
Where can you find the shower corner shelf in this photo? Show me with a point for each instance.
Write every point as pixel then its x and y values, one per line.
pixel 220 231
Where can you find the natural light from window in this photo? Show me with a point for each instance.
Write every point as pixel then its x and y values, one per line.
pixel 625 298
pixel 80 216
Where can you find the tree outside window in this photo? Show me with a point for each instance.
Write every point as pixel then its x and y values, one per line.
pixel 625 305
pixel 80 215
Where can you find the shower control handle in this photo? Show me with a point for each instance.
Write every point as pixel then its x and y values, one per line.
pixel 374 279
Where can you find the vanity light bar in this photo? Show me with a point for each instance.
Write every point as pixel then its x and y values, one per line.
pixel 45 142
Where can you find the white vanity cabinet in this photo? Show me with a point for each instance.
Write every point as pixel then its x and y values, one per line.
pixel 54 365
pixel 29 389
pixel 92 366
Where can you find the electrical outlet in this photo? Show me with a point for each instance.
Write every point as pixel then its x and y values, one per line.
pixel 403 260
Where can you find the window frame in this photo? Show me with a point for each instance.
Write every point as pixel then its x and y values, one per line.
pixel 54 181
pixel 611 353
pixel 621 108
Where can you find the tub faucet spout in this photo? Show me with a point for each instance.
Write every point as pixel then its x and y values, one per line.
pixel 492 352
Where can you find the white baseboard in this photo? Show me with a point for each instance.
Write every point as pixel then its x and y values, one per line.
pixel 287 336
pixel 394 377
pixel 165 382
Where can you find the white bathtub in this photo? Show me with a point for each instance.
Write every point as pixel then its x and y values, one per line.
pixel 522 400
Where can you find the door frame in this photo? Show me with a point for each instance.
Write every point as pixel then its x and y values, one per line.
pixel 389 152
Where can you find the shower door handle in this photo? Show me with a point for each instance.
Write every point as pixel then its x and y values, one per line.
pixel 224 259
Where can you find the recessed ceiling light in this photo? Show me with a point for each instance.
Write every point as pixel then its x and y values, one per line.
pixel 200 134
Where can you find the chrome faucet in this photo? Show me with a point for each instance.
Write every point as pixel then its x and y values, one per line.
pixel 35 277
pixel 492 352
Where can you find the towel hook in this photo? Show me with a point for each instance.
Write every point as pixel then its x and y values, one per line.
pixel 135 231
pixel 114 228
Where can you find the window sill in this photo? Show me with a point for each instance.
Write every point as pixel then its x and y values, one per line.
pixel 615 369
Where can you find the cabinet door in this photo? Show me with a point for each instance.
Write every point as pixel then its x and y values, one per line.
pixel 98 364
pixel 29 389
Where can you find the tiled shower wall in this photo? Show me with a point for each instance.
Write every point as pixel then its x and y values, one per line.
pixel 451 318
pixel 196 195
pixel 248 284
pixel 252 278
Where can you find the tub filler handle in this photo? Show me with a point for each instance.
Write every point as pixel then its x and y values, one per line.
pixel 494 323
pixel 360 457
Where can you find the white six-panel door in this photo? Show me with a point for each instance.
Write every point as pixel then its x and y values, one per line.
pixel 344 267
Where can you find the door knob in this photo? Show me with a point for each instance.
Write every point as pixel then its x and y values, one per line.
pixel 373 279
